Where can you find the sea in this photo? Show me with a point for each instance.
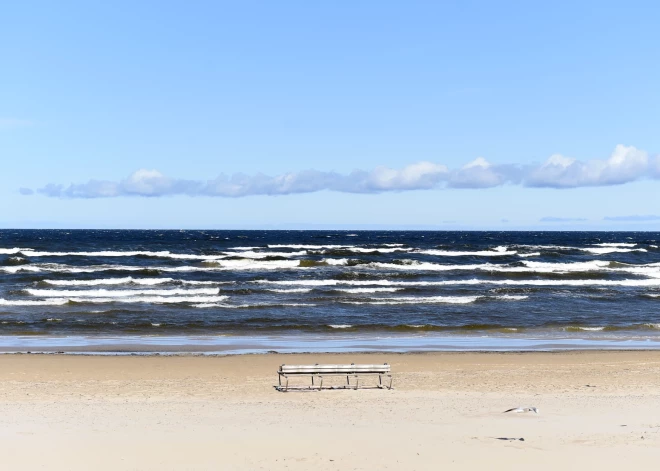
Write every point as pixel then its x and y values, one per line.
pixel 218 291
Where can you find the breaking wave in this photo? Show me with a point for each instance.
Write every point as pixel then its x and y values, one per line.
pixel 104 293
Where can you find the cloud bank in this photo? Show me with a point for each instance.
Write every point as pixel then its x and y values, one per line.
pixel 626 164
pixel 634 218
pixel 557 219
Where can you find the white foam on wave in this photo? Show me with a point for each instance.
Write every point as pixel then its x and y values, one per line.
pixel 11 251
pixel 474 281
pixel 21 268
pixel 419 300
pixel 151 299
pixel 128 280
pixel 258 255
pixel 25 302
pixel 368 250
pixel 292 290
pixel 306 246
pixel 105 293
pixel 383 248
pixel 532 254
pixel 120 253
pixel 258 265
pixel 336 261
pixel 247 306
pixel 616 244
pixel 588 329
pixel 340 326
pixel 599 249
pixel 323 282
pixel 495 252
pixel 511 297
pixel 216 265
pixel 110 281
pixel 606 250
pixel 369 290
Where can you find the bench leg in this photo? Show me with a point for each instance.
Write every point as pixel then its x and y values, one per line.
pixel 312 380
pixel 390 381
pixel 321 383
pixel 348 381
pixel 287 384
pixel 357 382
pixel 380 381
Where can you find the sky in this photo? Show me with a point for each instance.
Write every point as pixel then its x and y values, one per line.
pixel 343 114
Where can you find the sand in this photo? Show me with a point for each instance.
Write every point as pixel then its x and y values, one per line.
pixel 598 409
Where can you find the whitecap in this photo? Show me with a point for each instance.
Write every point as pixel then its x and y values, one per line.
pixel 12 251
pixel 589 329
pixel 25 302
pixel 104 293
pixel 369 290
pixel 419 300
pixel 616 244
pixel 292 290
pixel 606 250
pixel 497 252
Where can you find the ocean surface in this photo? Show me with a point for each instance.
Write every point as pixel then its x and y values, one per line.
pixel 240 291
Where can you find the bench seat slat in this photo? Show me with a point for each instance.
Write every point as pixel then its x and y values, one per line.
pixel 332 369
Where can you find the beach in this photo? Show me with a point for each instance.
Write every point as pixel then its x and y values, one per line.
pixel 78 412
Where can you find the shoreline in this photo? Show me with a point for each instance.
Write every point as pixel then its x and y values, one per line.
pixel 314 344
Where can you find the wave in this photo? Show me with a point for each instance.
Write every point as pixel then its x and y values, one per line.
pixel 112 281
pixel 142 300
pixel 135 281
pixel 215 265
pixel 616 244
pixel 419 300
pixel 260 255
pixel 12 251
pixel 293 290
pixel 369 290
pixel 25 302
pixel 340 326
pixel 473 281
pixel 583 329
pixel 599 249
pixel 382 248
pixel 496 252
pixel 119 253
pixel 511 297
pixel 606 250
pixel 248 306
pixel 104 293
pixel 409 265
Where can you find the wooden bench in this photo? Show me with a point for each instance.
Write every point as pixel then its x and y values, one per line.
pixel 319 371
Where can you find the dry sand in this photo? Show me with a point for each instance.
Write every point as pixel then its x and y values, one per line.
pixel 598 409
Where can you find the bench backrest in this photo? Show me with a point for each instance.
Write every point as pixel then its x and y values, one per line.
pixel 328 369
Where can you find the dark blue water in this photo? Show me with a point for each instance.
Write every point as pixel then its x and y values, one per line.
pixel 514 285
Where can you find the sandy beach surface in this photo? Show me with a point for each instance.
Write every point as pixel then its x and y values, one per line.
pixel 193 412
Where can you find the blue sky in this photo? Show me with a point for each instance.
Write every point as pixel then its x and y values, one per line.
pixel 485 115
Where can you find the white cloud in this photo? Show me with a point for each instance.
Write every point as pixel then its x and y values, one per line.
pixel 626 164
pixel 481 174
